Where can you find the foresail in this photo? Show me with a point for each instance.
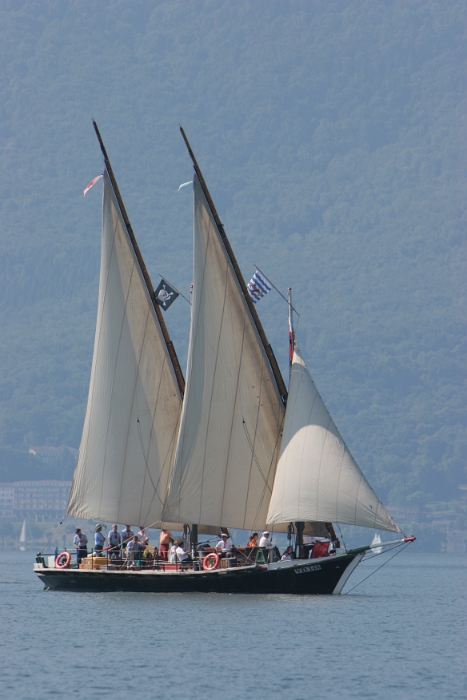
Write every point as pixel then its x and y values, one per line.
pixel 317 478
pixel 134 403
pixel 232 412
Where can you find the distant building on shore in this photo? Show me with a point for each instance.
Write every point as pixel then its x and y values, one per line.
pixel 34 500
pixel 7 498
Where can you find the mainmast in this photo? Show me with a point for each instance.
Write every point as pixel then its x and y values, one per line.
pixel 267 347
pixel 170 347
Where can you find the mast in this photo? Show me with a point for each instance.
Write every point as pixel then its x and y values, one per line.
pixel 233 411
pixel 291 330
pixel 136 387
pixel 170 347
pixel 299 525
pixel 267 347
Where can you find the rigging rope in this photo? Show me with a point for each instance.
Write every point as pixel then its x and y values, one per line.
pixel 51 536
pixel 342 536
pixel 379 567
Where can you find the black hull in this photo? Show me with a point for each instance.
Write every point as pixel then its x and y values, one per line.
pixel 304 577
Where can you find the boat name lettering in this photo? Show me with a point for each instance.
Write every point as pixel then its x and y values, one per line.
pixel 305 569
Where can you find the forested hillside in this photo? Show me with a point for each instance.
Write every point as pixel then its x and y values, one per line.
pixel 332 137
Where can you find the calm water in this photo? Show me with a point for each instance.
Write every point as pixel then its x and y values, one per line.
pixel 401 634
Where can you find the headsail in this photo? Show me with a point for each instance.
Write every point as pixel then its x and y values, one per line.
pixel 135 395
pixel 317 478
pixel 233 411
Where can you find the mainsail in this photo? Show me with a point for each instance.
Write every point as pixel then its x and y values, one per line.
pixel 135 396
pixel 233 412
pixel 317 478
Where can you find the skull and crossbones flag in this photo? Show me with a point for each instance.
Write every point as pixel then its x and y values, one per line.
pixel 165 295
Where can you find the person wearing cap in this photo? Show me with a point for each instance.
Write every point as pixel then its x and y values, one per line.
pixel 271 552
pixel 114 540
pixel 81 543
pixel 265 540
pixel 99 540
pixel 224 545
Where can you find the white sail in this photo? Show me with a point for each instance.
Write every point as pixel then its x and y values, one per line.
pixel 317 478
pixel 374 544
pixel 232 412
pixel 134 403
pixel 22 537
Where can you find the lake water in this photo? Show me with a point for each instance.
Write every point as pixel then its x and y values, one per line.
pixel 401 634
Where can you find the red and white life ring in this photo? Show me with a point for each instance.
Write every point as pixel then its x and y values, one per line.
pixel 211 562
pixel 63 560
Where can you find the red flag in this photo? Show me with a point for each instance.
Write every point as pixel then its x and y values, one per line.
pixel 93 182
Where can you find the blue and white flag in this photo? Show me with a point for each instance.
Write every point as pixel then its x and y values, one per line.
pixel 258 286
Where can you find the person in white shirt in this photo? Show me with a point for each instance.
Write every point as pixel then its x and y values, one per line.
pixel 224 545
pixel 287 556
pixel 142 537
pixel 271 553
pixel 265 540
pixel 178 555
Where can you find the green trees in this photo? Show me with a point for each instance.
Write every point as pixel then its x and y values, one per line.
pixel 332 139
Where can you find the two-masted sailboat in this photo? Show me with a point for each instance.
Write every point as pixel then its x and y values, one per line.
pixel 230 449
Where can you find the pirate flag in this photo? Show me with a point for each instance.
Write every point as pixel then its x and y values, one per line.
pixel 165 295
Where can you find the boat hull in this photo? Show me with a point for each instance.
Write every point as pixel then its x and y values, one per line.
pixel 303 577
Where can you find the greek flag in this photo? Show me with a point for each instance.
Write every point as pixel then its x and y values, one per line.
pixel 258 286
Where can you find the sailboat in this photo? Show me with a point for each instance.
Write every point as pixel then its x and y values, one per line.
pixel 376 544
pixel 231 448
pixel 22 538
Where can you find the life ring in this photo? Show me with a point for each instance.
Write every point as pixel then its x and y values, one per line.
pixel 211 562
pixel 63 560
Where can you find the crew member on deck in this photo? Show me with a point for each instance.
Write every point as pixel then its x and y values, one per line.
pixel 81 543
pixel 265 540
pixel 143 538
pixel 99 540
pixel 178 554
pixel 287 556
pixel 134 550
pixel 253 541
pixel 164 543
pixel 224 545
pixel 127 534
pixel 114 540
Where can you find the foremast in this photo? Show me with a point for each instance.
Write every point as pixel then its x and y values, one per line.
pixel 170 346
pixel 136 387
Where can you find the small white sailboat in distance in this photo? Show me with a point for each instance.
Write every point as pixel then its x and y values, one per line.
pixel 374 544
pixel 22 538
